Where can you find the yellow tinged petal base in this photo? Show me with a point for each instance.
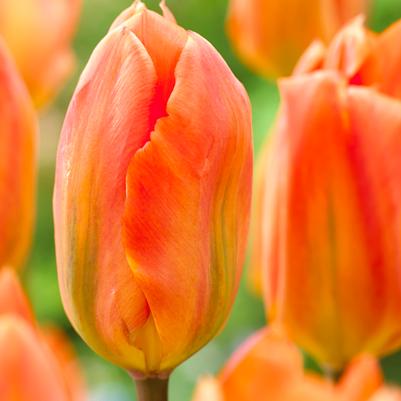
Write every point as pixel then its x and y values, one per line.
pixel 147 339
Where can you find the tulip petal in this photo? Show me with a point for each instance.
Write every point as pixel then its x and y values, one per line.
pixel 312 60
pixel 263 368
pixel 149 73
pixel 382 69
pixel 381 184
pixel 28 371
pixel 105 296
pixel 164 42
pixel 17 164
pixel 255 273
pixel 188 197
pixel 66 358
pixel 349 49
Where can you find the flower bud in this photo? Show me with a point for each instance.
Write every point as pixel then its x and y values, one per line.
pixel 152 194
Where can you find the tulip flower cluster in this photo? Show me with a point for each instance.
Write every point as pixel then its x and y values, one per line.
pixel 153 192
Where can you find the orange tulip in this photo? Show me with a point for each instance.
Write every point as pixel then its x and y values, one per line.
pixel 331 194
pixel 263 368
pixel 64 353
pixel 17 164
pixel 269 367
pixel 270 35
pixel 29 369
pixel 39 34
pixel 152 194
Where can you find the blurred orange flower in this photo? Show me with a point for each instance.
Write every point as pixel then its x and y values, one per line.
pixel 64 353
pixel 152 195
pixel 330 199
pixel 39 34
pixel 32 368
pixel 267 367
pixel 270 35
pixel 18 130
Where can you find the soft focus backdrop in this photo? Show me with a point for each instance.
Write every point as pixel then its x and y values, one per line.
pixel 207 17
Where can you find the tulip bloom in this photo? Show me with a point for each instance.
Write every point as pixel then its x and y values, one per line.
pixel 17 166
pixel 152 194
pixel 329 235
pixel 270 35
pixel 30 369
pixel 267 367
pixel 38 34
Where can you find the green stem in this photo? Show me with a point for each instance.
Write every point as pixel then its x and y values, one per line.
pixel 152 389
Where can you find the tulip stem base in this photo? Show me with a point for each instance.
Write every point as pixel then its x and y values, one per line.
pixel 152 389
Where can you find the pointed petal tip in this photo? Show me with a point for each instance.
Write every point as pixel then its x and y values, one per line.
pixel 138 5
pixel 166 12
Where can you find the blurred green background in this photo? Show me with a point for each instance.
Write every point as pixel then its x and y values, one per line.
pixel 207 18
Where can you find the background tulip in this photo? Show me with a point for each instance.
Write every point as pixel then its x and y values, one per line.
pixel 332 207
pixel 17 165
pixel 264 367
pixel 152 194
pixel 270 35
pixel 30 368
pixel 38 34
pixel 64 353
pixel 269 367
pixel 27 370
